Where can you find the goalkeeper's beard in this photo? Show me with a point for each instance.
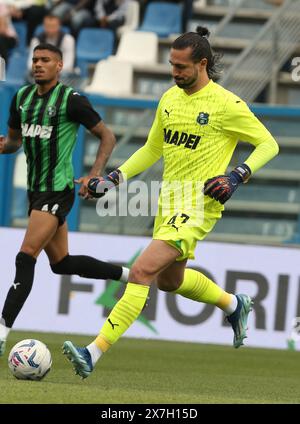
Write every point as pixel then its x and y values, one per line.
pixel 189 83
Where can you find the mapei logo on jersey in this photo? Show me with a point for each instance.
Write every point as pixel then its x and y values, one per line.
pixel 190 141
pixel 203 118
pixel 51 111
pixel 33 130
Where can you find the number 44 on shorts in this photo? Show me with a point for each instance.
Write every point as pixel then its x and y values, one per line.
pixel 53 210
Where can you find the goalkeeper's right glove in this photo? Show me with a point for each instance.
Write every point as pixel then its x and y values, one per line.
pixel 222 187
pixel 99 186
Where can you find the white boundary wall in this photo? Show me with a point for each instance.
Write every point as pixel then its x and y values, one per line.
pixel 270 274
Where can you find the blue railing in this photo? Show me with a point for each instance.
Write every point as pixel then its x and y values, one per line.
pixel 6 161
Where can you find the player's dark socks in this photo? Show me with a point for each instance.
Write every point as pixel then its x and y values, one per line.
pixel 86 266
pixel 20 289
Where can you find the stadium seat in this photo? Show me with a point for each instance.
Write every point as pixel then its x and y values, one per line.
pixel 21 30
pixel 138 47
pixel 40 28
pixel 262 192
pixel 256 226
pixel 163 19
pixel 93 44
pixel 131 19
pixel 112 78
pixel 199 4
pixel 16 68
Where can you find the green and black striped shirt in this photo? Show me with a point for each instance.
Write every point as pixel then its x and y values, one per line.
pixel 49 125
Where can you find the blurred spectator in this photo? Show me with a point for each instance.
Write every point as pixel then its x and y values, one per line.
pixel 110 13
pixel 31 11
pixel 8 36
pixel 75 13
pixel 53 34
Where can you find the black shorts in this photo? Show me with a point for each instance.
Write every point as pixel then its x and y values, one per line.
pixel 58 203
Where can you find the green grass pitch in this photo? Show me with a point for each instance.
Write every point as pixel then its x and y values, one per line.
pixel 148 371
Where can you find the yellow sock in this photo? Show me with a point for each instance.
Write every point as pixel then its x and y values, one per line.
pixel 102 344
pixel 124 313
pixel 225 302
pixel 197 286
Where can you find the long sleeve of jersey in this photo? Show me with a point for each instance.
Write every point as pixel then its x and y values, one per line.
pixel 147 155
pixel 240 122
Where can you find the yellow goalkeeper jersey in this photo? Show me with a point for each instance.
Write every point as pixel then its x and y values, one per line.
pixel 197 134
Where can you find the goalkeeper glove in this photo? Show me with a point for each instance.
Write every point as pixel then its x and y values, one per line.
pixel 222 187
pixel 98 186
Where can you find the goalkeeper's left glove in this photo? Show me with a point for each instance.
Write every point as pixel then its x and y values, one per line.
pixel 99 186
pixel 222 187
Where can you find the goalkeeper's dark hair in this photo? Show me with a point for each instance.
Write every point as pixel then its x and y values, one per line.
pixel 201 48
pixel 50 47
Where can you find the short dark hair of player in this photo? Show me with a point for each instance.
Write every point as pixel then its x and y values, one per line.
pixel 200 48
pixel 50 47
pixel 51 16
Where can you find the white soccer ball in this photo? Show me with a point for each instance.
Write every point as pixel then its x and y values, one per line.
pixel 29 360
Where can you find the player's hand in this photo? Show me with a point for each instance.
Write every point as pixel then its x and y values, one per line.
pixel 2 143
pixel 99 186
pixel 222 187
pixel 83 191
pixel 103 22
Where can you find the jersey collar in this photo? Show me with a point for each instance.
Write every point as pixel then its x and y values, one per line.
pixel 199 92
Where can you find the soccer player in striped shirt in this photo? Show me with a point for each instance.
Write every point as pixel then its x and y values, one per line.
pixel 196 129
pixel 44 118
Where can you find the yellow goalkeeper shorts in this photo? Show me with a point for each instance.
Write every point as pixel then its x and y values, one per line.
pixel 180 232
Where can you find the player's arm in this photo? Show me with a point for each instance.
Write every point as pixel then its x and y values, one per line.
pixel 80 110
pixel 142 159
pixel 11 143
pixel 240 123
pixel 107 143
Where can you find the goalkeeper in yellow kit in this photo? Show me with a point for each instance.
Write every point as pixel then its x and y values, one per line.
pixel 196 129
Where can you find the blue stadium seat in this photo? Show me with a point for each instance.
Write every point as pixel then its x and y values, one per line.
pixel 16 68
pixel 163 19
pixel 21 30
pixel 93 44
pixel 40 28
